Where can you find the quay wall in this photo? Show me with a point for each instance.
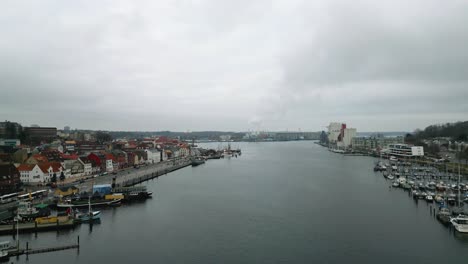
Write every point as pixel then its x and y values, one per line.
pixel 138 176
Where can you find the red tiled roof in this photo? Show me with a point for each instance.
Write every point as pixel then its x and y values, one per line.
pixel 40 158
pixel 70 157
pixel 45 166
pixel 26 167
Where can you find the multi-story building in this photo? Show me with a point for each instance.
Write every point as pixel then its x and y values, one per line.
pixel 340 136
pixel 38 134
pixel 334 130
pixel 9 129
pixel 40 173
pixel 375 142
pixel 404 150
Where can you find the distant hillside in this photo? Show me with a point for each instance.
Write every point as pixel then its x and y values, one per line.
pixel 455 131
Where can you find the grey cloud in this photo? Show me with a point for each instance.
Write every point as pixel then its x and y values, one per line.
pixel 147 65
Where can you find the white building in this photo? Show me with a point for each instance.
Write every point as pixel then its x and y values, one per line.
pixel 40 173
pixel 334 130
pixel 346 139
pixel 404 150
pixel 109 165
pixel 340 136
pixel 153 155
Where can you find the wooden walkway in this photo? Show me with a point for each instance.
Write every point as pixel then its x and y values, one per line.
pixel 34 227
pixel 51 249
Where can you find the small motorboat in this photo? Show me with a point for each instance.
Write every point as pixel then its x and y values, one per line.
pixel 390 177
pixel 88 217
pixel 443 215
pixel 4 247
pixel 429 198
pixel 395 184
pixel 451 199
pixel 460 223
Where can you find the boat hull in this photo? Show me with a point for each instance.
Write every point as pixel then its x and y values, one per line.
pixel 93 204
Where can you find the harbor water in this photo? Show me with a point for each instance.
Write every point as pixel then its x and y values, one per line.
pixel 279 202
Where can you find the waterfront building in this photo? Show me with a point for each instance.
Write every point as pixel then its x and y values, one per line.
pixel 87 165
pixel 405 150
pixel 99 161
pixel 76 167
pixel 38 173
pixel 340 136
pixel 375 142
pixel 153 155
pixel 346 137
pixel 334 131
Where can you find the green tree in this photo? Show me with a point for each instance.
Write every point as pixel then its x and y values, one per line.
pixel 62 176
pixel 54 178
pixel 102 137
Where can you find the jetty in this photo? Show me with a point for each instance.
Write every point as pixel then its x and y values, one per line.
pixel 32 227
pixel 16 251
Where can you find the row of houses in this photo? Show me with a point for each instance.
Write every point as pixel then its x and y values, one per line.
pixel 61 159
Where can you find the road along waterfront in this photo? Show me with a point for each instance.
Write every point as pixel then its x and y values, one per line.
pixel 292 202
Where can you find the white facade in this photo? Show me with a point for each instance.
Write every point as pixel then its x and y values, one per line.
pixel 417 151
pixel 334 130
pixel 34 175
pixel 38 175
pixel 348 135
pixel 152 155
pixel 88 169
pixel 404 150
pixel 109 165
pixel 184 151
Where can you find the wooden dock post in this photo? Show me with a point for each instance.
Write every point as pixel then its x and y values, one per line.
pixel 27 248
pixel 78 240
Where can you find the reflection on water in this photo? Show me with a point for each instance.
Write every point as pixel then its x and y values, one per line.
pixel 461 237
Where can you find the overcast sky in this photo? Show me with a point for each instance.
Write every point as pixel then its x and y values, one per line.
pixel 234 65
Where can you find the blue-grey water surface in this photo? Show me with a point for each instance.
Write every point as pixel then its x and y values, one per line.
pixel 289 202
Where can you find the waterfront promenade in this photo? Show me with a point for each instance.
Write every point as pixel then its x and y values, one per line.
pixel 132 176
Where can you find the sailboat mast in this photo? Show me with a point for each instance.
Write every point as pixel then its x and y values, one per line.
pixel 458 184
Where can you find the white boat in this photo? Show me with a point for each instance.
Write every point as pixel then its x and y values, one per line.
pixel 27 210
pixel 460 223
pixel 395 184
pixel 429 198
pixel 390 177
pixel 4 247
